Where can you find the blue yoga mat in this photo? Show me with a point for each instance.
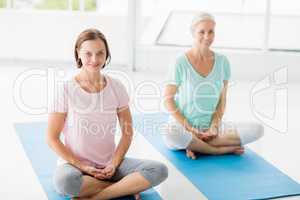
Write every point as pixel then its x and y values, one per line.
pixel 43 160
pixel 226 177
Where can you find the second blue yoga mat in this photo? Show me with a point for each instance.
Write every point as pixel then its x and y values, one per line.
pixel 226 177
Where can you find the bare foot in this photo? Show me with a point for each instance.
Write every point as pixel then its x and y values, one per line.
pixel 239 151
pixel 190 154
pixel 137 196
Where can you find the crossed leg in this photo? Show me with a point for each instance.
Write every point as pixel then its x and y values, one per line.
pixel 130 184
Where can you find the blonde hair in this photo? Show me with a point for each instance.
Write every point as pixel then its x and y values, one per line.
pixel 201 16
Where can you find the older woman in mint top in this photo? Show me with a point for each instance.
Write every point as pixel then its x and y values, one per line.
pixel 196 96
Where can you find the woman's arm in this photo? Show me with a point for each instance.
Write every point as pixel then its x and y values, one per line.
pixel 218 114
pixel 125 121
pixel 56 123
pixel 169 98
pixel 169 94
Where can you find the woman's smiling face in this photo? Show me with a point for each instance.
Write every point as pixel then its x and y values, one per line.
pixel 92 54
pixel 204 33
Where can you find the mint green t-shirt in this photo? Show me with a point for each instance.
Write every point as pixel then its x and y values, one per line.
pixel 197 96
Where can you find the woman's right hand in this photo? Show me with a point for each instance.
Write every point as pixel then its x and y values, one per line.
pixel 194 131
pixel 202 135
pixel 209 135
pixel 93 171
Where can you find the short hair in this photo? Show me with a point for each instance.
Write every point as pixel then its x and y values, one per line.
pixel 91 34
pixel 201 16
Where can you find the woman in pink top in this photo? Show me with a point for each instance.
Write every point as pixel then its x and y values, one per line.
pixel 86 110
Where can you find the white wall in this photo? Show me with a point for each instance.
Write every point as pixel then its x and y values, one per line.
pixel 48 35
pixel 245 65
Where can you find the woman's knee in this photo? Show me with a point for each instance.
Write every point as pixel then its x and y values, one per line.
pixel 154 172
pixel 250 132
pixel 259 130
pixel 67 180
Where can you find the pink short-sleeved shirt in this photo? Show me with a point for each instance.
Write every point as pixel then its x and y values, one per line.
pixel 91 121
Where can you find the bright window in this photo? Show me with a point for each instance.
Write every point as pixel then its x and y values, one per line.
pixel 89 5
pixel 241 24
pixel 51 4
pixel 117 7
pixel 285 25
pixel 232 30
pixel 2 3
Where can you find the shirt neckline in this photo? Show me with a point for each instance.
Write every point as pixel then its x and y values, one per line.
pixel 92 93
pixel 195 71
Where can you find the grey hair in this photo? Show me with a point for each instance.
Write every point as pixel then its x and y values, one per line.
pixel 201 16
